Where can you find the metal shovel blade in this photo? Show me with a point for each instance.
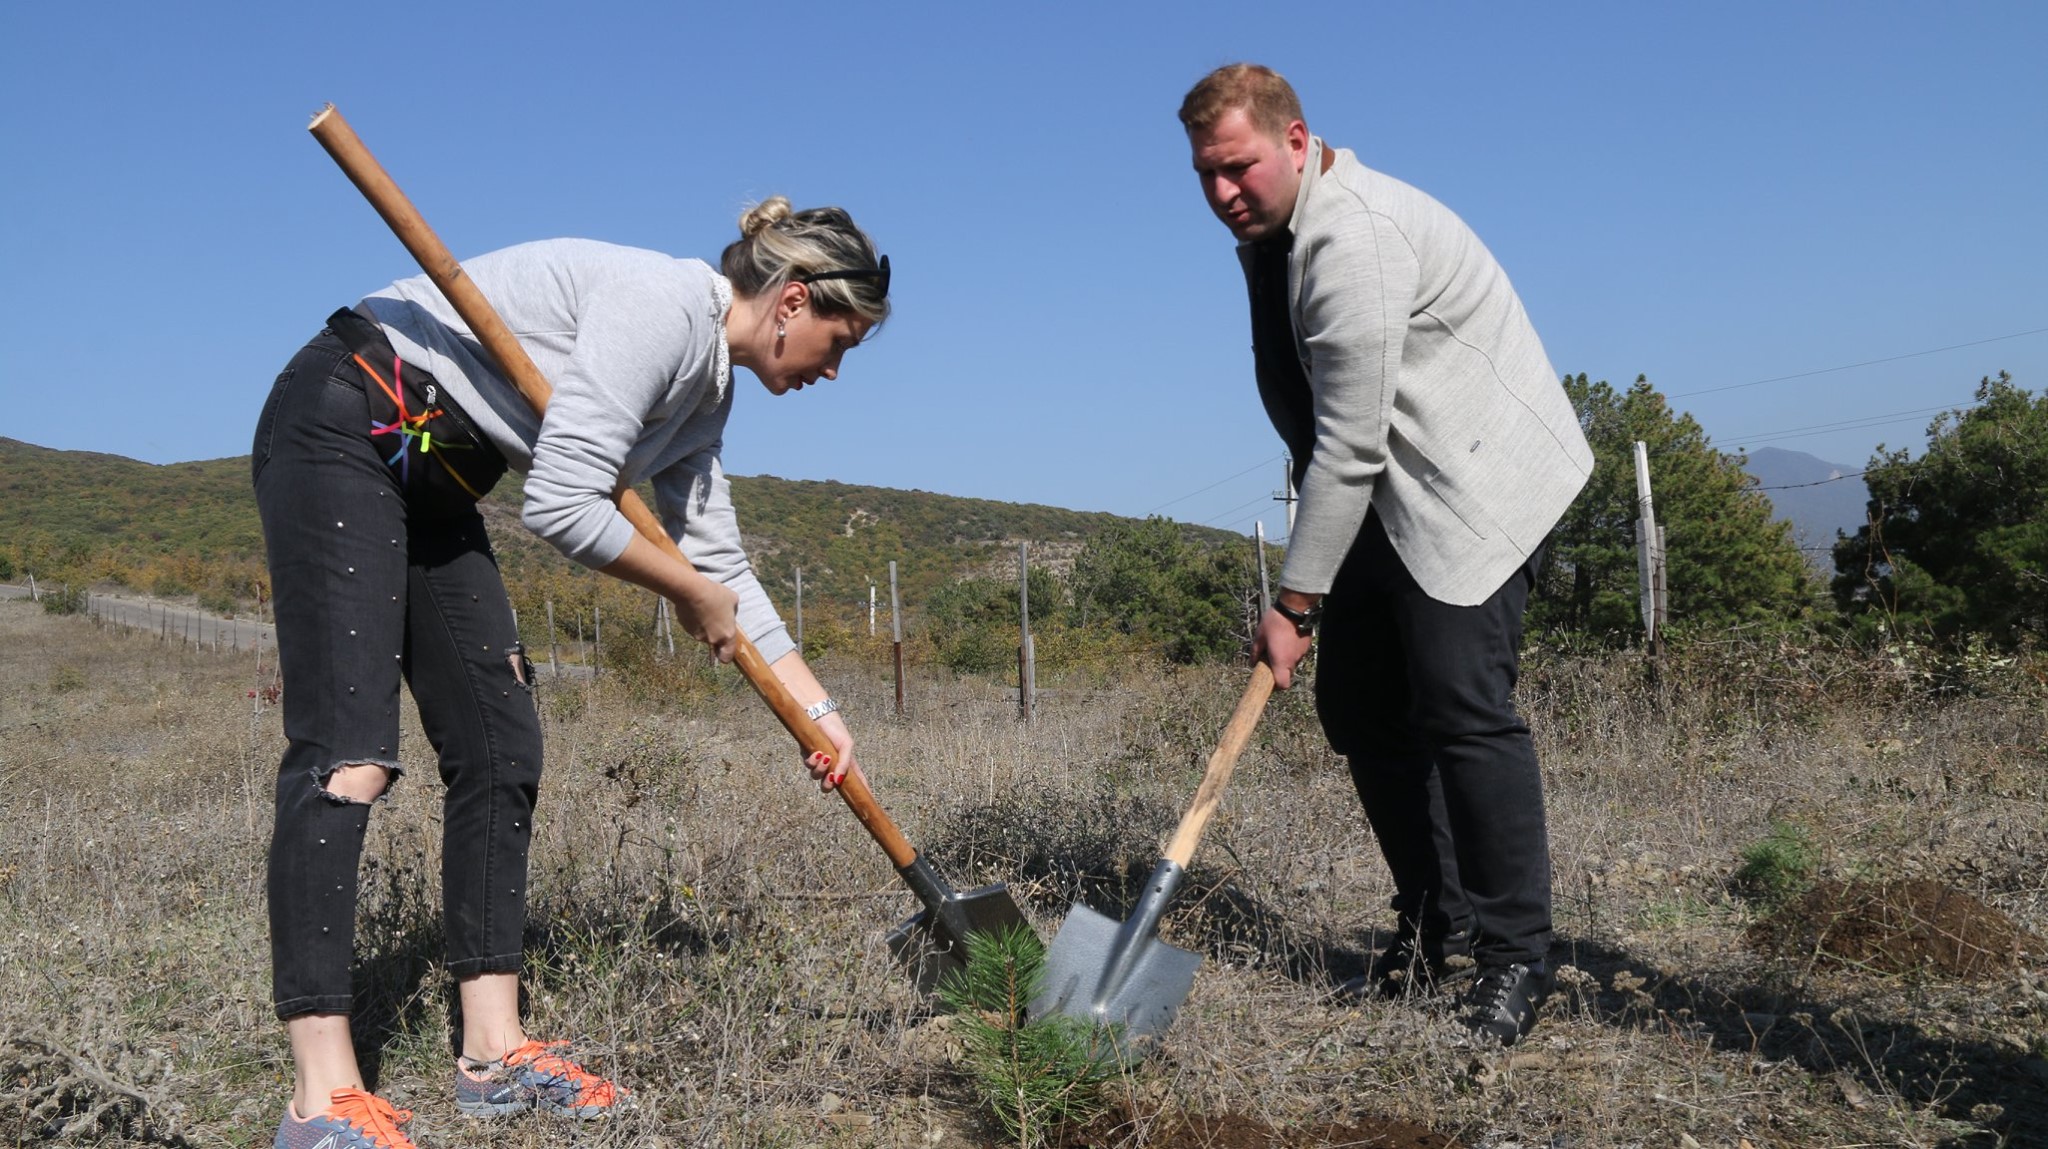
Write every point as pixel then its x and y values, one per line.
pixel 1119 974
pixel 1137 1009
pixel 934 940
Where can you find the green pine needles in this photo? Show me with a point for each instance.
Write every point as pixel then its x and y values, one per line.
pixel 1778 868
pixel 1038 1074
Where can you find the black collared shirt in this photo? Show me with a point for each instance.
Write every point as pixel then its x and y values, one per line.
pixel 1283 385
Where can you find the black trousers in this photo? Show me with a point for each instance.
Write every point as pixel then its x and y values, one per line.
pixel 370 586
pixel 1418 695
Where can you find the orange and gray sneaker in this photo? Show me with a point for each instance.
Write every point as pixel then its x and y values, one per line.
pixel 354 1119
pixel 534 1076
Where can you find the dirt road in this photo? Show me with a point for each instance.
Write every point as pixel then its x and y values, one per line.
pixel 171 620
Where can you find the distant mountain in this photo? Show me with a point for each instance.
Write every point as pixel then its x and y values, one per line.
pixel 1816 496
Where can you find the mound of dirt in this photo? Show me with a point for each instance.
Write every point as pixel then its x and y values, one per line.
pixel 1231 1131
pixel 1897 927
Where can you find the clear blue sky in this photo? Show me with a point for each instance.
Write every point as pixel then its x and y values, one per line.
pixel 1710 195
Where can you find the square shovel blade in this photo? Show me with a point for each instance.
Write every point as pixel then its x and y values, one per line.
pixel 934 940
pixel 1100 970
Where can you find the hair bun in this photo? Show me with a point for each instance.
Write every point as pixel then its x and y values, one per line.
pixel 765 214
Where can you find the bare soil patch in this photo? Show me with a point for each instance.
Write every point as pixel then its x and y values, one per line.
pixel 1900 927
pixel 1230 1131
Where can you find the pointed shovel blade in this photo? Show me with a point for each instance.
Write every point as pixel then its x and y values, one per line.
pixel 934 941
pixel 1133 985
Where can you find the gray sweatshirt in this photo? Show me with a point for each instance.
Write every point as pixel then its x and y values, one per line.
pixel 633 342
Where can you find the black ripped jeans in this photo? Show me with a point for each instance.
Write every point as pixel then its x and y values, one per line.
pixel 369 586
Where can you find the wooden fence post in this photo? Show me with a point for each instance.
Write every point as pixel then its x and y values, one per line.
pixel 1649 554
pixel 896 629
pixel 554 670
pixel 1027 670
pixel 1265 589
pixel 1662 582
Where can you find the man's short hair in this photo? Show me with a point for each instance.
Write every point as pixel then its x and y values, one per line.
pixel 1265 95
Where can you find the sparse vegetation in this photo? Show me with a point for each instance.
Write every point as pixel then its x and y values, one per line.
pixel 707 926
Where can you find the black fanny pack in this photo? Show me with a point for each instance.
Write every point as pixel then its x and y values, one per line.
pixel 432 449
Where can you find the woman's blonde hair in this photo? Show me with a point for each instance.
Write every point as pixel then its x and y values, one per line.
pixel 777 245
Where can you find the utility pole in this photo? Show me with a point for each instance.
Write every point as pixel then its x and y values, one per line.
pixel 1286 492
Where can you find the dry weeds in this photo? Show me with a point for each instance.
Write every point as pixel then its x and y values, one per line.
pixel 710 929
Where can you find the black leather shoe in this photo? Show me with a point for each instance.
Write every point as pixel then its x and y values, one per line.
pixel 1503 1001
pixel 1412 968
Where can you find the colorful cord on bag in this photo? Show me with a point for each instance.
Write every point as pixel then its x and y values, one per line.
pixel 409 427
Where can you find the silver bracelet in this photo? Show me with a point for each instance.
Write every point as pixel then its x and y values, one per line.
pixel 817 710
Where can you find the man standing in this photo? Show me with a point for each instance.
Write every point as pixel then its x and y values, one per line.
pixel 1434 450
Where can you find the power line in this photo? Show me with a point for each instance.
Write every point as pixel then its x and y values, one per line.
pixel 1844 424
pixel 1815 483
pixel 1212 486
pixel 1211 520
pixel 1853 366
pixel 1809 434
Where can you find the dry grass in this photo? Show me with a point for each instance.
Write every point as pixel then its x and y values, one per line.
pixel 710 929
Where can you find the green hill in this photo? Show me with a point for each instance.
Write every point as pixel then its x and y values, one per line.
pixel 186 527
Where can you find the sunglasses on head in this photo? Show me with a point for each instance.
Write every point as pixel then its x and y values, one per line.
pixel 879 274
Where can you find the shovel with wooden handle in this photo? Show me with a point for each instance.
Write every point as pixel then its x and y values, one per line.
pixel 928 944
pixel 1119 974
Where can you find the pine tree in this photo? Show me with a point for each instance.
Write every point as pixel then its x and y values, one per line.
pixel 1728 561
pixel 1957 540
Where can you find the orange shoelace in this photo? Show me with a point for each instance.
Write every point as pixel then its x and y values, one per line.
pixel 376 1117
pixel 590 1088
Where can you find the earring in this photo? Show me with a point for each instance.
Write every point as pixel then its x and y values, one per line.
pixel 781 332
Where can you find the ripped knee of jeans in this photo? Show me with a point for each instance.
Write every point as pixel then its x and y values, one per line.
pixel 357 783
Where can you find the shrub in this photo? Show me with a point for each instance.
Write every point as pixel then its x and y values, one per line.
pixel 65 599
pixel 220 601
pixel 1148 580
pixel 169 586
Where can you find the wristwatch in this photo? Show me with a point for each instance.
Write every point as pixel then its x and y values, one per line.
pixel 1304 620
pixel 820 709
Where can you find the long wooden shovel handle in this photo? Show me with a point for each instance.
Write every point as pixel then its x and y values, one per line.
pixel 441 267
pixel 1243 720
